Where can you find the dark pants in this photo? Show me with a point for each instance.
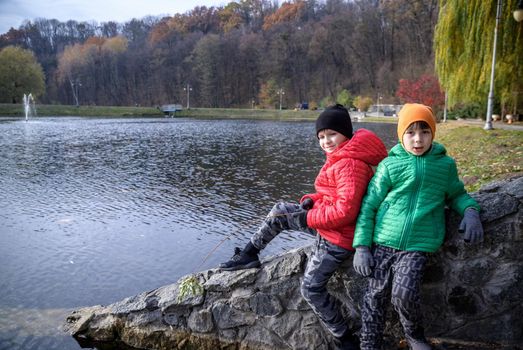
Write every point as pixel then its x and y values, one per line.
pixel 325 260
pixel 397 276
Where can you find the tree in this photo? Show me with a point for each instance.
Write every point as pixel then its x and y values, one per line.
pixel 20 74
pixel 463 44
pixel 230 17
pixel 268 95
pixel 425 89
pixel 312 49
pixel 362 103
pixel 344 98
pixel 288 12
pixel 207 58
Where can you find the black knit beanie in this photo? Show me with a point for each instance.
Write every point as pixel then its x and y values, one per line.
pixel 336 118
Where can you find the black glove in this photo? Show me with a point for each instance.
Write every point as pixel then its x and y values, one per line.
pixel 307 204
pixel 471 226
pixel 301 217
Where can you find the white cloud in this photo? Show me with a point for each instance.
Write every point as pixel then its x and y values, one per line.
pixel 14 12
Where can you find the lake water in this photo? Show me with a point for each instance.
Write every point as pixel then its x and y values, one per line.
pixel 96 210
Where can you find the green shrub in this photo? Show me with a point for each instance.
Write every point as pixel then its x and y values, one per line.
pixel 466 111
pixel 344 98
pixel 326 102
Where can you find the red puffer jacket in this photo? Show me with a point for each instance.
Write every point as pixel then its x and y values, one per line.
pixel 341 185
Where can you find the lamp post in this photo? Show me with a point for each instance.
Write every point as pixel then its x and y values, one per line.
pixel 188 89
pixel 378 105
pixel 78 85
pixel 490 103
pixel 281 93
pixel 445 107
pixel 518 16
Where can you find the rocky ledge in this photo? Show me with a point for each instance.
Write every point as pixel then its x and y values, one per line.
pixel 472 297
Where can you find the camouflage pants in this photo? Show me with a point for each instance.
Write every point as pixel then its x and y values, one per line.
pixel 325 260
pixel 279 219
pixel 397 276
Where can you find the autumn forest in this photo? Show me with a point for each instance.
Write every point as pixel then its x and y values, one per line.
pixel 247 53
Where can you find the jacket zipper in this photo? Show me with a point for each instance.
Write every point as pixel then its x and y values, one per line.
pixel 412 204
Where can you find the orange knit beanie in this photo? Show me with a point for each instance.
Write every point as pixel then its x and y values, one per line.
pixel 415 112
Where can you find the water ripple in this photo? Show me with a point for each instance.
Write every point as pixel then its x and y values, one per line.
pixel 95 210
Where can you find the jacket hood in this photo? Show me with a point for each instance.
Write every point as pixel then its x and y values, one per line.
pixel 364 145
pixel 437 149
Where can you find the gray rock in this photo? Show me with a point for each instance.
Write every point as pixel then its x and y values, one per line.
pixel 472 294
pixel 201 321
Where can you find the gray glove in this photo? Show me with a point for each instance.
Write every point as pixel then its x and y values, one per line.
pixel 471 226
pixel 363 261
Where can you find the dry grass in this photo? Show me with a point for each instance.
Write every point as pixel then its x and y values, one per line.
pixel 482 156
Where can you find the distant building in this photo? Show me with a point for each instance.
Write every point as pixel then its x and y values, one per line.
pixel 385 110
pixel 170 110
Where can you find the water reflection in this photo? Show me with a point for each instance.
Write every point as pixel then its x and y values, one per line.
pixel 95 210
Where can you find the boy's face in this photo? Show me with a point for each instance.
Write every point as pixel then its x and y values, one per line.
pixel 417 140
pixel 330 140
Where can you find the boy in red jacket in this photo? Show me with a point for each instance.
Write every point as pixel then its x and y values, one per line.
pixel 330 214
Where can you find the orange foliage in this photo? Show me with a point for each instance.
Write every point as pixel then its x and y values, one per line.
pixel 95 40
pixel 286 13
pixel 159 32
pixel 178 23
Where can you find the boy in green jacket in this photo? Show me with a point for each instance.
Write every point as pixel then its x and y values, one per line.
pixel 402 220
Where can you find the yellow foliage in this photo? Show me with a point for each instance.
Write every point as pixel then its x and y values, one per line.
pixel 463 47
pixel 117 44
pixel 362 103
pixel 79 55
pixel 230 18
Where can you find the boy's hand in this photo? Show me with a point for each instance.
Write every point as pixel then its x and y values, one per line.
pixel 301 217
pixel 307 204
pixel 471 225
pixel 363 261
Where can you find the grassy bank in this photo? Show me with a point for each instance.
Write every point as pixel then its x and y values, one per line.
pixel 249 113
pixel 482 156
pixel 12 110
pixel 17 110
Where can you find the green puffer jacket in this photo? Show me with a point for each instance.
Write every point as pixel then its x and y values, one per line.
pixel 405 202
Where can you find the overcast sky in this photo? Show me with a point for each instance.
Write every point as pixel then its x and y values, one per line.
pixel 14 12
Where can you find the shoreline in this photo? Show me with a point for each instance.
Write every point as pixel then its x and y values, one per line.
pixel 17 110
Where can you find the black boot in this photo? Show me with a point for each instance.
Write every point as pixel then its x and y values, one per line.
pixel 348 341
pixel 242 259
